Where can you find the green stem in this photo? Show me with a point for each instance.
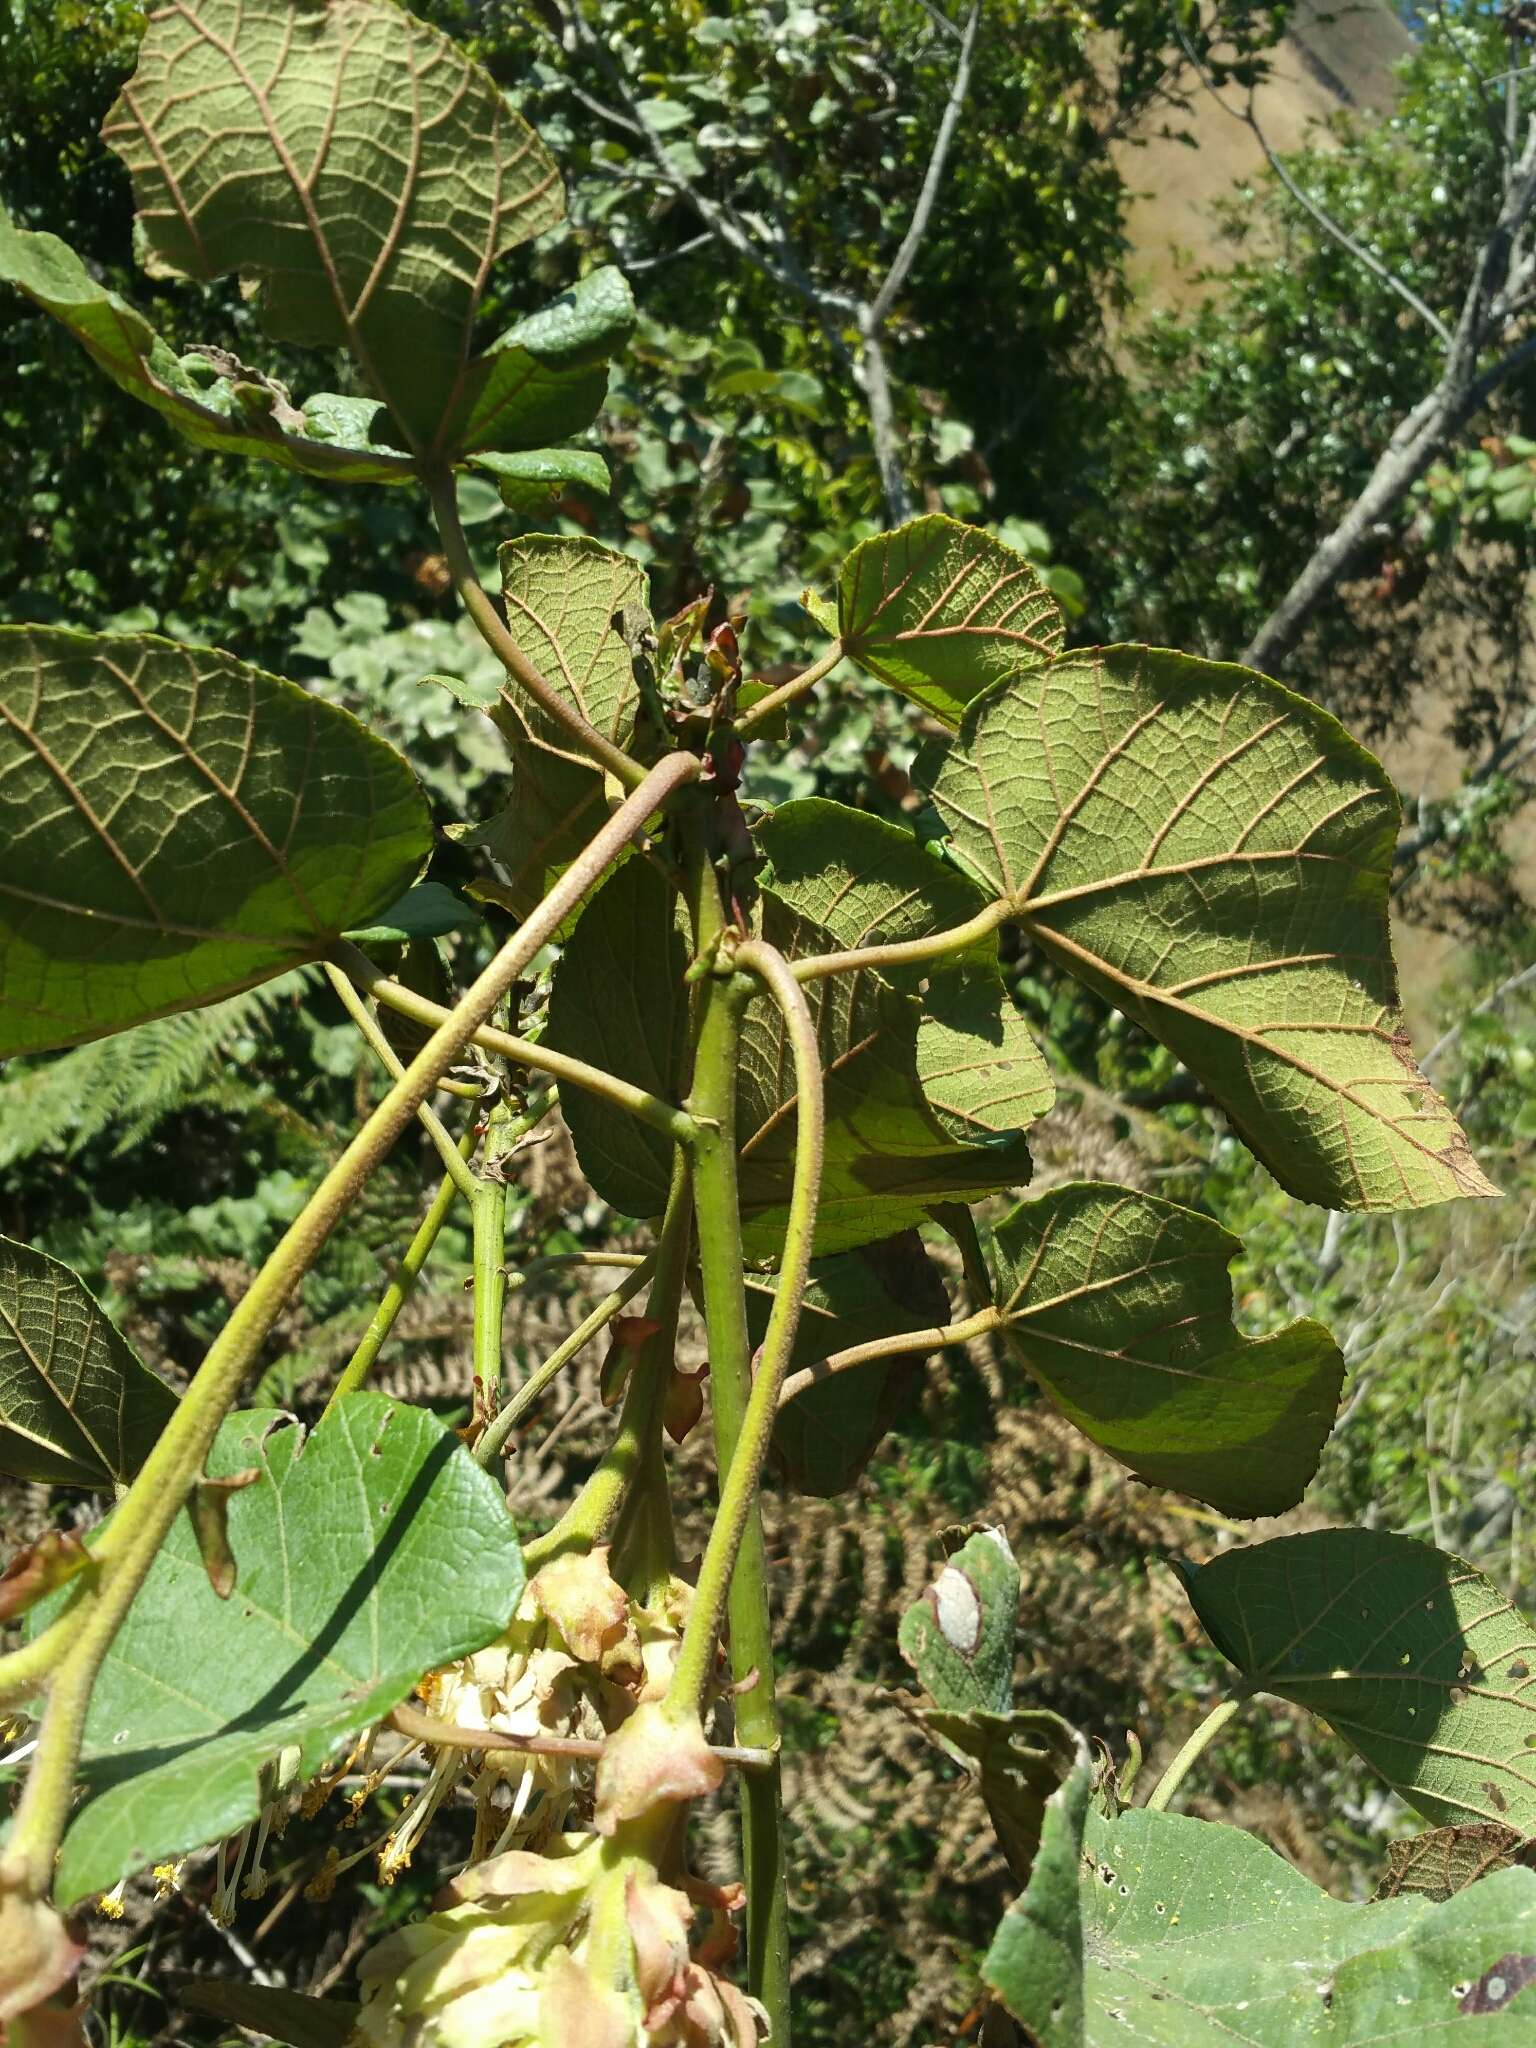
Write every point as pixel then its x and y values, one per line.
pixel 493 631
pixel 494 1440
pixel 786 693
pixel 1179 1769
pixel 452 1156
pixel 956 1220
pixel 595 1509
pixel 524 1052
pixel 488 1215
pixel 129 1544
pixel 941 1338
pixel 400 1289
pixel 910 953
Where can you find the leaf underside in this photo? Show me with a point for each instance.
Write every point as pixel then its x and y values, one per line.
pixel 77 1405
pixel 369 1553
pixel 179 826
pixel 1212 853
pixel 1119 1304
pixel 1410 1654
pixel 1181 1933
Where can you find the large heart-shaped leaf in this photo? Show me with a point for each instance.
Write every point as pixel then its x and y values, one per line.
pixel 823 1439
pixel 1408 1653
pixel 76 1403
pixel 939 611
pixel 1119 1304
pixel 1212 854
pixel 178 827
pixel 353 162
pixel 206 395
pixel 369 1553
pixel 1180 1933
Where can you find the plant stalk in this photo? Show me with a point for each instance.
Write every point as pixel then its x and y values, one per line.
pixel 910 952
pixel 488 1214
pixel 787 693
pixel 451 1154
pixel 129 1544
pixel 1194 1748
pixel 907 1341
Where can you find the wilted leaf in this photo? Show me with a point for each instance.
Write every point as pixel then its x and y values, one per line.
pixel 76 1405
pixel 1438 1864
pixel 371 1552
pixel 1019 1760
pixel 206 395
pixel 1119 1305
pixel 823 1439
pixel 1212 854
pixel 38 1569
pixel 178 827
pixel 1410 1654
pixel 355 164
pixel 1180 1933
pixel 939 611
pixel 959 1637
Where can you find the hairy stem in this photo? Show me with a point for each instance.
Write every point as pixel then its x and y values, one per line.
pixel 592 1514
pixel 448 1151
pixel 522 1052
pixel 910 952
pixel 400 1289
pixel 488 1214
pixel 492 629
pixel 905 1342
pixel 787 693
pixel 1179 1769
pixel 129 1544
pixel 493 1442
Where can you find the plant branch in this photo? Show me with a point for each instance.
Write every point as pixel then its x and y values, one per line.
pixel 422 1727
pixel 933 177
pixel 524 1052
pixel 1194 1748
pixel 787 693
pixel 488 1215
pixel 903 1344
pixel 130 1542
pixel 909 953
pixel 447 1146
pixel 494 632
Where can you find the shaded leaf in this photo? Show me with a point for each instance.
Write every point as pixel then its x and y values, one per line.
pixel 429 911
pixel 959 1637
pixel 978 1064
pixel 1119 1304
pixel 528 482
pixel 1443 1861
pixel 1179 1933
pixel 179 827
pixel 1019 1761
pixel 286 2016
pixel 940 611
pixel 206 395
pixel 823 1439
pixel 547 376
pixel 371 1552
pixel 1408 1653
pixel 77 1406
pixel 1211 853
pixel 351 161
pixel 551 808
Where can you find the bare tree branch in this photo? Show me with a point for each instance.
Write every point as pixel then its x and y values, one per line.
pixel 933 177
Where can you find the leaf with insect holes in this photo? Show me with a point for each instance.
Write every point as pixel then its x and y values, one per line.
pixel 1408 1653
pixel 178 827
pixel 1180 1933
pixel 959 1637
pixel 1212 854
pixel 824 1438
pixel 370 1552
pixel 207 395
pixel 940 611
pixel 363 173
pixel 77 1405
pixel 1119 1305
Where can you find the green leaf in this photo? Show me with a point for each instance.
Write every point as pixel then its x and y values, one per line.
pixel 1180 1933
pixel 429 911
pixel 1408 1653
pixel 562 596
pixel 824 1438
pixel 979 1066
pixel 1019 1761
pixel 940 611
pixel 1119 1304
pixel 288 2016
pixel 529 481
pixel 618 1001
pixel 77 1407
pixel 178 827
pixel 1212 854
pixel 959 1637
pixel 551 808
pixel 353 163
pixel 369 1553
pixel 547 376
pixel 206 395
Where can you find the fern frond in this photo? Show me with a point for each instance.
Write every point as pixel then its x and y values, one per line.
pixel 137 1076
